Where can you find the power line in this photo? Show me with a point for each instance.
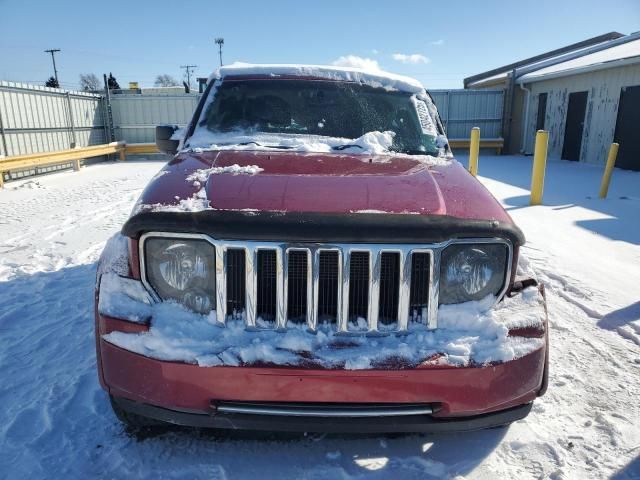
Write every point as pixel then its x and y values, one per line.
pixel 188 69
pixel 53 58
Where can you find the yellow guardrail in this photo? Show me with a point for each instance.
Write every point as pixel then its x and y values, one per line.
pixel 497 143
pixel 140 148
pixel 75 155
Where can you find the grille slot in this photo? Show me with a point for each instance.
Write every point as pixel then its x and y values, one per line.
pixel 358 286
pixel 297 270
pixel 328 286
pixel 266 285
pixel 236 285
pixel 389 287
pixel 419 296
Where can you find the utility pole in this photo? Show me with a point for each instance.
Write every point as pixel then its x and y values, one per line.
pixel 220 41
pixel 53 58
pixel 188 69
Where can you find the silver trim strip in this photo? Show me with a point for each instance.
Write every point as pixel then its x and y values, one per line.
pixel 404 281
pixel 375 259
pixel 344 273
pixel 221 284
pixel 281 290
pixel 251 292
pixel 313 254
pixel 313 288
pixel 328 412
pixel 434 287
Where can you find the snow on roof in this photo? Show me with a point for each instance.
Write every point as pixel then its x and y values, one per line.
pixel 377 78
pixel 628 52
pixel 503 75
pixel 488 80
pixel 625 51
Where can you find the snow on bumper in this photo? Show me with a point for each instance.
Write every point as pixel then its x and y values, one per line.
pixel 467 335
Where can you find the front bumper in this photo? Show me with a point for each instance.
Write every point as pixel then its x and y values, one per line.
pixel 287 423
pixel 465 397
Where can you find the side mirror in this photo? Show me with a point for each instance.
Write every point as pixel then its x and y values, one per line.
pixel 163 139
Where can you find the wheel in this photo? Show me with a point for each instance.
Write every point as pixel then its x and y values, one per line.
pixel 132 420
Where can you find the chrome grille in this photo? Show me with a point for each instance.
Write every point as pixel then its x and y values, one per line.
pixel 389 286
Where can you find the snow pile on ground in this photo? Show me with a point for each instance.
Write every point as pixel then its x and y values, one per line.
pixel 55 421
pixel 468 333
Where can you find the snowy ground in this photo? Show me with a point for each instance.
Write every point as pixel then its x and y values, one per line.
pixel 55 421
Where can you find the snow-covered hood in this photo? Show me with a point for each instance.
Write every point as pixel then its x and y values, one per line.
pixel 284 181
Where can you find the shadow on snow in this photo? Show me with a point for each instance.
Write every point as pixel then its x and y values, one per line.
pixel 572 184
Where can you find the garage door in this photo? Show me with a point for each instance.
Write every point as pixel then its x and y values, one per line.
pixel 627 129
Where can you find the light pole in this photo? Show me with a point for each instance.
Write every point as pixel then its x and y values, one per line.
pixel 53 58
pixel 220 41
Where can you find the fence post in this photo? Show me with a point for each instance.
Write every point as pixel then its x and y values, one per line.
pixel 539 166
pixel 108 111
pixel 71 124
pixel 4 139
pixel 608 170
pixel 474 151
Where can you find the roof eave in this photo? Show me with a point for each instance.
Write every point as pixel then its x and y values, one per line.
pixel 537 58
pixel 578 70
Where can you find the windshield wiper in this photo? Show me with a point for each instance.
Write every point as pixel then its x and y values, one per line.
pixel 409 151
pixel 281 147
pixel 344 147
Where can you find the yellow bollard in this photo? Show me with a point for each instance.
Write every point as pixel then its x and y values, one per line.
pixel 608 170
pixel 474 151
pixel 539 166
pixel 123 155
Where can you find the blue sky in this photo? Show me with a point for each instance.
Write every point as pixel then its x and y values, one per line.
pixel 438 42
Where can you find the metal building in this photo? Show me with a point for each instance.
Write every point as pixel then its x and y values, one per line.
pixel 587 95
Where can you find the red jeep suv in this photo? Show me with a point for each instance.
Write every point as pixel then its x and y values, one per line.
pixel 313 258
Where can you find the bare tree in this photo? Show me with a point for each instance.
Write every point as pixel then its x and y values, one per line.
pixel 165 81
pixel 89 82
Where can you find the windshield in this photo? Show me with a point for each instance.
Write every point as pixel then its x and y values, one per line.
pixel 322 109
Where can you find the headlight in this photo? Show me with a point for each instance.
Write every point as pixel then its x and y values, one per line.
pixel 472 271
pixel 182 270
